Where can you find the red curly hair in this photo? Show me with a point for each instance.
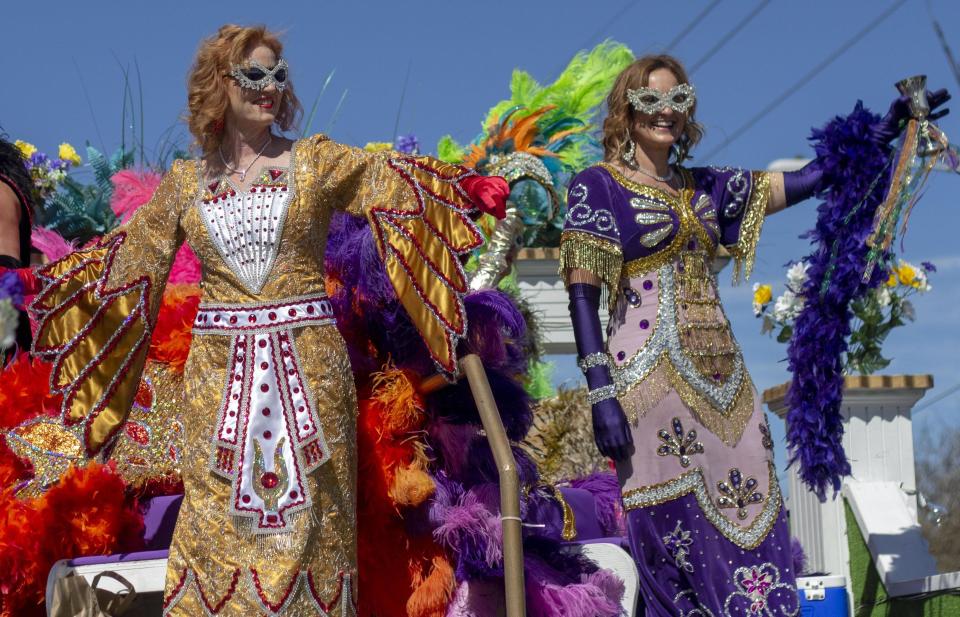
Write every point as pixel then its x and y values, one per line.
pixel 207 99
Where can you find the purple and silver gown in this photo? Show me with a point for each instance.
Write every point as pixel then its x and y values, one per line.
pixel 704 510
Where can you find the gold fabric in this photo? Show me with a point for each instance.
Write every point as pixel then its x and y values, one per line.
pixel 744 251
pixel 96 311
pixel 215 564
pixel 579 249
pixel 418 214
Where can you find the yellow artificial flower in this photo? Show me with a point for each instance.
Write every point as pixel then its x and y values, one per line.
pixel 906 273
pixel 762 295
pixel 378 146
pixel 69 154
pixel 26 149
pixel 892 279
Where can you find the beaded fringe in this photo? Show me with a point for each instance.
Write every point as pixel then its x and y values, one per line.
pixel 744 251
pixel 594 254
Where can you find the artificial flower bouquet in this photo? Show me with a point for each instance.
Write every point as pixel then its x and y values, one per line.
pixel 875 314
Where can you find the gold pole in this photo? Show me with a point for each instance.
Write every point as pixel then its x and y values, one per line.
pixel 509 484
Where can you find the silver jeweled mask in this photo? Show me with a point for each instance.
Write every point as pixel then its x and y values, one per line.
pixel 256 76
pixel 650 101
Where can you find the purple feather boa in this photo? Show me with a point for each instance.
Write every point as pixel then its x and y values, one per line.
pixel 851 164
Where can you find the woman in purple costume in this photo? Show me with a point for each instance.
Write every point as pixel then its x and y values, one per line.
pixel 672 401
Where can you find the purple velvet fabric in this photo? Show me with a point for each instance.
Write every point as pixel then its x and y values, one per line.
pixel 584 512
pixel 159 519
pixel 610 428
pixel 120 558
pixel 698 568
pixel 602 206
pixel 802 183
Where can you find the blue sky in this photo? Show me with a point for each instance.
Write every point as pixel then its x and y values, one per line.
pixel 64 82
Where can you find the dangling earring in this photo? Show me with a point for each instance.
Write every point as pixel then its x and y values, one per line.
pixel 630 154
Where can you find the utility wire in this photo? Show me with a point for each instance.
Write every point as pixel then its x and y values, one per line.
pixel 948 392
pixel 946 48
pixel 403 93
pixel 693 24
pixel 776 102
pixel 729 35
pixel 606 25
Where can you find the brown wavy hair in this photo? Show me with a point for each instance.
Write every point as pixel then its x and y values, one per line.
pixel 621 116
pixel 207 99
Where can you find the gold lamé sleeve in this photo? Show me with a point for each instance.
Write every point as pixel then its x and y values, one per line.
pixel 744 250
pixel 96 310
pixel 586 251
pixel 419 213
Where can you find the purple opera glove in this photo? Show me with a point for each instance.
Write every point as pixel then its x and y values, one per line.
pixel 610 428
pixel 802 183
pixel 891 124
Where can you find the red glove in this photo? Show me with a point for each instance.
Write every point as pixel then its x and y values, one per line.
pixel 488 193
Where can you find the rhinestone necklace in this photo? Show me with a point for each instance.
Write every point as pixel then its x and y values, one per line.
pixel 243 173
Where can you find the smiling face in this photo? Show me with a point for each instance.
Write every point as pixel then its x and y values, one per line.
pixel 254 108
pixel 660 130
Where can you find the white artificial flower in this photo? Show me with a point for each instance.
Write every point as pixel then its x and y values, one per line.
pixel 797 275
pixel 8 323
pixel 787 307
pixel 883 296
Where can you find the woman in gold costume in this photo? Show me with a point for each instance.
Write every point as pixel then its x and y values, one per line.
pixel 269 467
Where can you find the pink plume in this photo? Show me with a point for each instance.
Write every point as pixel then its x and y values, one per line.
pixel 186 267
pixel 132 189
pixel 50 243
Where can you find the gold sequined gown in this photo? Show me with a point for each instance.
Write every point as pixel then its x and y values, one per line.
pixel 269 464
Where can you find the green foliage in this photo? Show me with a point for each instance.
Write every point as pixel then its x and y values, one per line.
pixel 81 212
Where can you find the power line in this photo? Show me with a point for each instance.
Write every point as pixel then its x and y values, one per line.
pixel 693 24
pixel 948 392
pixel 943 44
pixel 606 26
pixel 776 102
pixel 729 35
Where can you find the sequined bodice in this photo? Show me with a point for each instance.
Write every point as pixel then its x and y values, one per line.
pixel 262 243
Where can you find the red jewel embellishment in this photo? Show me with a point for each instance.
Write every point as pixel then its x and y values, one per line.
pixel 275 173
pixel 267 434
pixel 272 315
pixel 245 499
pixel 294 494
pixel 292 312
pixel 137 433
pixel 271 518
pixel 252 319
pixel 269 480
pixel 266 411
pixel 233 319
pixel 264 388
pixel 264 365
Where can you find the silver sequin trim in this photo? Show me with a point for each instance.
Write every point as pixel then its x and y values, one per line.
pixel 756 584
pixel 582 214
pixel 738 187
pixel 665 339
pixel 693 482
pixel 595 359
pixel 601 394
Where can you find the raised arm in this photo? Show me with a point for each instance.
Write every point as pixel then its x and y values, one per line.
pixel 789 188
pixel 420 211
